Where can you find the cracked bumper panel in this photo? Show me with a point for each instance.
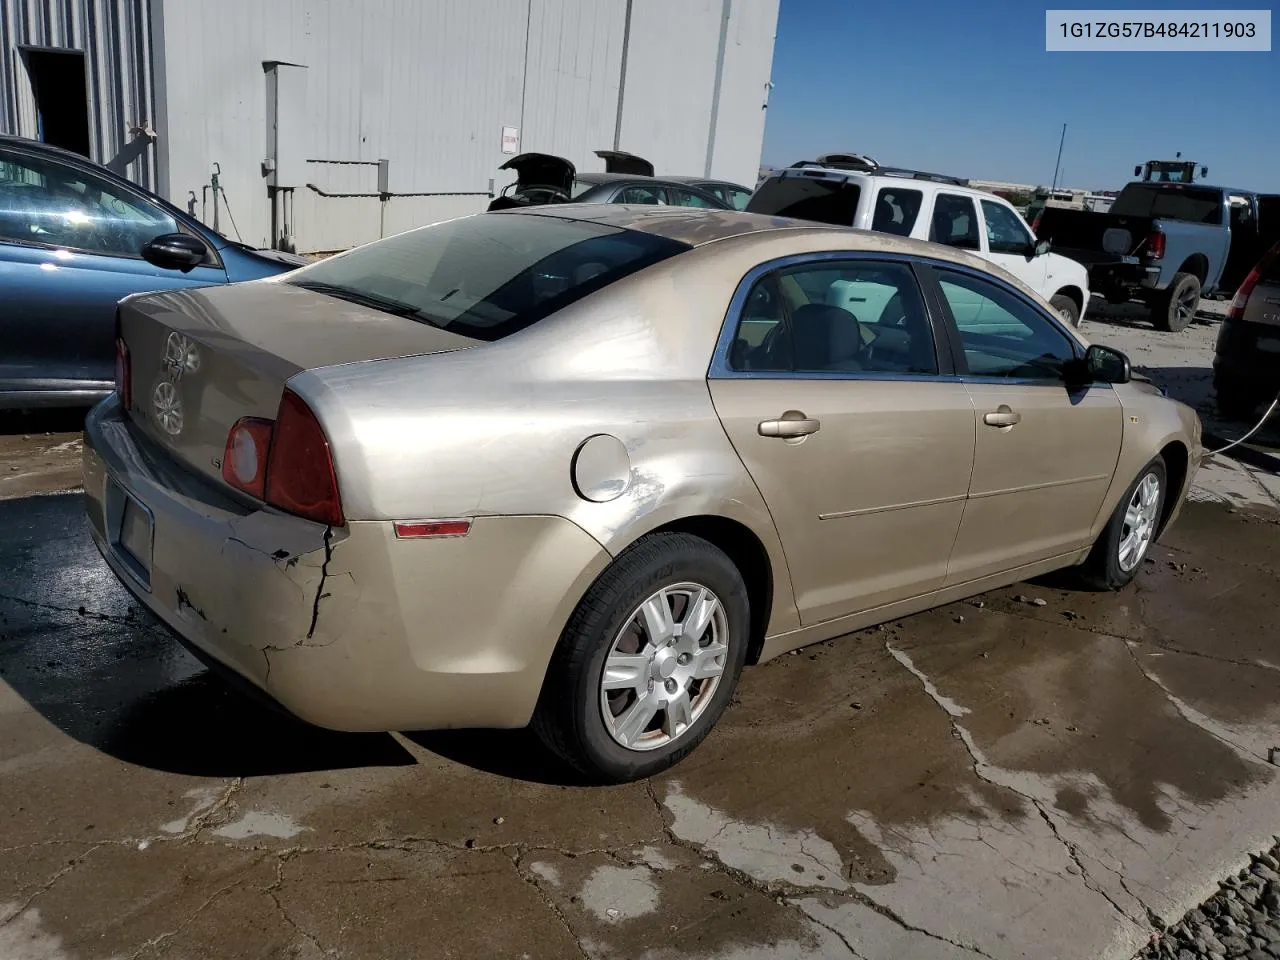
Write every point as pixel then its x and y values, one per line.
pixel 389 634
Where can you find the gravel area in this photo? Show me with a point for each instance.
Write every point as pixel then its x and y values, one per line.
pixel 1241 920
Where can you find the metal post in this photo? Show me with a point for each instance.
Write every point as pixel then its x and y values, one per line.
pixel 726 13
pixel 217 174
pixel 622 78
pixel 1057 166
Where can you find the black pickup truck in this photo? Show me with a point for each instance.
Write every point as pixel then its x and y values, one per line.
pixel 1167 244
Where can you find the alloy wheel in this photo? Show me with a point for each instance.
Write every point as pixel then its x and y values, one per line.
pixel 1140 518
pixel 664 666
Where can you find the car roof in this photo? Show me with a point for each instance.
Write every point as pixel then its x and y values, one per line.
pixel 697 226
pixel 39 146
pixel 698 181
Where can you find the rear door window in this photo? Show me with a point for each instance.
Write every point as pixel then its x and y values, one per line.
pixel 486 276
pixel 825 200
pixel 896 210
pixel 836 317
pixel 640 193
pixel 955 222
pixel 687 198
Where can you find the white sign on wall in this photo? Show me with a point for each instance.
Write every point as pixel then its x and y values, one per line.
pixel 510 139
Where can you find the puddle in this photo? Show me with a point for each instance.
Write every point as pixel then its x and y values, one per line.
pixel 256 824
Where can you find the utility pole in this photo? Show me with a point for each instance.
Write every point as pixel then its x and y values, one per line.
pixel 1057 166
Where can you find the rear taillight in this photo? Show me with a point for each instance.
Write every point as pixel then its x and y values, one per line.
pixel 1241 298
pixel 1155 245
pixel 1035 224
pixel 300 474
pixel 244 461
pixel 124 375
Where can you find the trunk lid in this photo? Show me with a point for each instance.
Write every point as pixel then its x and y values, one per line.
pixel 619 161
pixel 201 359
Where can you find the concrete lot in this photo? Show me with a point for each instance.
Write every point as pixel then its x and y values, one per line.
pixel 1043 772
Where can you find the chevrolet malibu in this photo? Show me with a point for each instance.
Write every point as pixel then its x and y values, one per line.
pixel 576 465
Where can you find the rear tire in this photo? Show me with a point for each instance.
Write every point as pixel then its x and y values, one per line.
pixel 619 623
pixel 1066 308
pixel 1120 549
pixel 1174 311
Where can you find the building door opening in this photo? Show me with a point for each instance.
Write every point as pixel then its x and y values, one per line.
pixel 62 99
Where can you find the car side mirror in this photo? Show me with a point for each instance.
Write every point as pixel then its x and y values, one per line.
pixel 1038 248
pixel 175 251
pixel 1100 364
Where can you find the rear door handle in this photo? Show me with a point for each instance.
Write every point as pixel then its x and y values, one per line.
pixel 791 424
pixel 1003 416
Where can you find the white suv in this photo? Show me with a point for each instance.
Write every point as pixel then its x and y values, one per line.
pixel 928 206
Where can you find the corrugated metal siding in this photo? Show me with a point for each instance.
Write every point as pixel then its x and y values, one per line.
pixel 671 65
pixel 748 61
pixel 429 85
pixel 115 37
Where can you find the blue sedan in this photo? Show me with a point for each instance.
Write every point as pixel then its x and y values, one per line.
pixel 75 239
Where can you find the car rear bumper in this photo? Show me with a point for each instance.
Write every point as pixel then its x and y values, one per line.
pixel 1248 355
pixel 1127 275
pixel 349 628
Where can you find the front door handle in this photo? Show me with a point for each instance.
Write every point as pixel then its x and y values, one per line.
pixel 791 424
pixel 1003 416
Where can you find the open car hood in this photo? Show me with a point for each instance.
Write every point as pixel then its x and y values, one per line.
pixel 542 170
pixel 616 161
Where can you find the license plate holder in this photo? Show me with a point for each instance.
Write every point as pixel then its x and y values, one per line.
pixel 131 528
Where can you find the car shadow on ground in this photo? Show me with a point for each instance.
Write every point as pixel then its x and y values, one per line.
pixel 85 656
pixel 1138 315
pixel 513 754
pixel 13 422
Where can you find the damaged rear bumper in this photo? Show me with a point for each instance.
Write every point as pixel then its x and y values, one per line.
pixel 348 628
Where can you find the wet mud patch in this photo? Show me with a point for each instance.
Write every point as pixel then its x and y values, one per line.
pixel 1208 532
pixel 1075 711
pixel 637 903
pixel 1215 608
pixel 814 738
pixel 419 901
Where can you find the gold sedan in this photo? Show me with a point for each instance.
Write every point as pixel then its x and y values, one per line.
pixel 576 466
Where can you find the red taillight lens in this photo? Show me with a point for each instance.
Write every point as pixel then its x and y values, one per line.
pixel 124 375
pixel 1035 225
pixel 300 474
pixel 1155 245
pixel 1242 293
pixel 244 462
pixel 425 529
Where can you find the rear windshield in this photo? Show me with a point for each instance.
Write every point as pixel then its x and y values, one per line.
pixel 488 275
pixel 1196 205
pixel 806 198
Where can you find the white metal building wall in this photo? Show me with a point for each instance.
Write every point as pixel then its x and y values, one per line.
pixel 115 37
pixel 429 85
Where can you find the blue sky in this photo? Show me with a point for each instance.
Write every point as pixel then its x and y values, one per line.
pixel 967 88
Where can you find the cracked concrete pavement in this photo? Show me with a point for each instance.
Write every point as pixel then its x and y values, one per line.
pixel 995 778
pixel 1039 772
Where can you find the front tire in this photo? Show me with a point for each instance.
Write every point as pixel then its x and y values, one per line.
pixel 1066 308
pixel 1174 311
pixel 1118 553
pixel 648 661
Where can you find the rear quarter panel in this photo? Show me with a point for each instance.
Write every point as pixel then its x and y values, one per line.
pixel 1185 241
